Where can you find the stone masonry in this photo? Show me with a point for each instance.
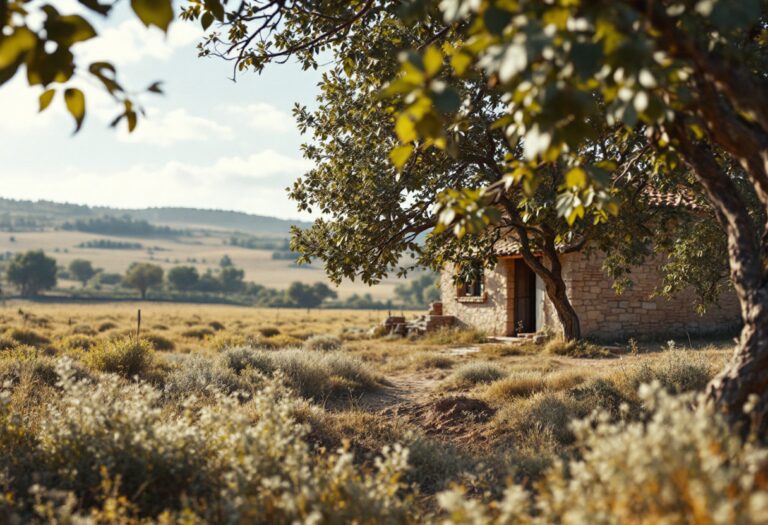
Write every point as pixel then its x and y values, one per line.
pixel 603 313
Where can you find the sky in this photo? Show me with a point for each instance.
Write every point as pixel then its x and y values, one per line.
pixel 208 142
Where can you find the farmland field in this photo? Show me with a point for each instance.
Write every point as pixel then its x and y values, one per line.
pixel 202 250
pixel 234 414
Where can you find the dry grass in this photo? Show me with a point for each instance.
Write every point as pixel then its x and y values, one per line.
pixel 366 394
pixel 525 384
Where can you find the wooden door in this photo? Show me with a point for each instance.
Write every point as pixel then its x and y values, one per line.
pixel 525 298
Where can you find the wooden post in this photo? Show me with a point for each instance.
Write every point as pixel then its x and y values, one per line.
pixel 138 326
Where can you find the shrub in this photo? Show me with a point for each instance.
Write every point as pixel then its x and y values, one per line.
pixel 682 465
pixel 78 342
pixel 125 357
pixel 7 343
pixel 322 342
pixel 27 361
pixel 539 422
pixel 106 325
pixel 455 336
pixel 25 336
pixel 312 375
pixel 278 341
pixel 677 371
pixel 223 340
pixel 516 385
pixel 197 333
pixel 579 349
pixel 472 374
pixel 159 342
pixel 83 329
pixel 268 331
pixel 430 360
pixel 216 326
pixel 604 395
pixel 238 359
pixel 199 376
pixel 251 463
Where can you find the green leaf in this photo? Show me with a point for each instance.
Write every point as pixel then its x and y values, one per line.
pixel 132 119
pixel 95 5
pixel 215 8
pixel 75 101
pixel 46 97
pixel 154 12
pixel 405 128
pixel 206 20
pixel 576 177
pixel 447 100
pixel 433 61
pixel 156 87
pixel 68 30
pixel 400 155
pixel 460 62
pixel 496 19
pixel 13 45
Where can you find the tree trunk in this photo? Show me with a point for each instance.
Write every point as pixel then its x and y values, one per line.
pixel 746 374
pixel 566 314
pixel 557 292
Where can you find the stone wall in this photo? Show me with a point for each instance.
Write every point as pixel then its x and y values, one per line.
pixel 635 313
pixel 488 313
pixel 603 313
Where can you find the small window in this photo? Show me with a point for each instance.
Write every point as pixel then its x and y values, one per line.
pixel 471 281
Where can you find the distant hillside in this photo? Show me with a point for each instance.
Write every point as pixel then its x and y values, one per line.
pixel 31 215
pixel 219 219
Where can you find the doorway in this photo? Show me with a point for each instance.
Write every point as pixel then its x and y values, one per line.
pixel 524 299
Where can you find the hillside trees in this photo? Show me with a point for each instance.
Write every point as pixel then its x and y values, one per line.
pixel 82 270
pixel 420 291
pixel 143 276
pixel 32 272
pixel 42 40
pixel 308 296
pixel 183 278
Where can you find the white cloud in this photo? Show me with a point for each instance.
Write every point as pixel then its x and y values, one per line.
pixel 18 107
pixel 264 117
pixel 131 42
pixel 167 128
pixel 253 184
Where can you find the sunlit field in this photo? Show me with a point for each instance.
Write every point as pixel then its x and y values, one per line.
pixel 229 414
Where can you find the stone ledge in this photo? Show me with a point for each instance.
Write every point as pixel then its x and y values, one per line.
pixel 473 299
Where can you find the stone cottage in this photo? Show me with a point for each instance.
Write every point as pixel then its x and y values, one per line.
pixel 510 300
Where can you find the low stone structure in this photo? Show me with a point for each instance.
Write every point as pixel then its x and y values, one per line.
pixel 433 320
pixel 511 300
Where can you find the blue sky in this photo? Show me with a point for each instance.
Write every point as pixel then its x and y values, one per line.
pixel 207 143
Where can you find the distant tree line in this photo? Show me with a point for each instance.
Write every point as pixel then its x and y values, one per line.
pixel 260 243
pixel 33 272
pixel 107 244
pixel 420 291
pixel 110 225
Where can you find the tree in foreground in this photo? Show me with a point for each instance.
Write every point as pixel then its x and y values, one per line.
pixel 143 276
pixel 82 270
pixel 32 272
pixel 375 218
pixel 689 75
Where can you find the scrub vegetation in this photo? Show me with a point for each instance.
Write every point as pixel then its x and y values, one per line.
pixel 308 416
